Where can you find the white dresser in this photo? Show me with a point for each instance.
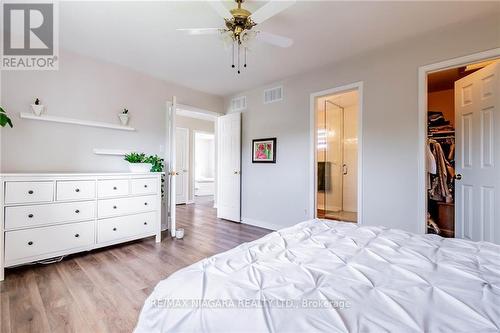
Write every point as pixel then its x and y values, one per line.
pixel 45 216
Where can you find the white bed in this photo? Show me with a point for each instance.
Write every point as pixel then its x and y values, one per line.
pixel 334 277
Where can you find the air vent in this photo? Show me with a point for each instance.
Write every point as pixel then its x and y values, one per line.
pixel 239 103
pixel 273 95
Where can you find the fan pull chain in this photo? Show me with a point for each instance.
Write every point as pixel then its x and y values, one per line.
pixel 239 58
pixel 245 65
pixel 233 56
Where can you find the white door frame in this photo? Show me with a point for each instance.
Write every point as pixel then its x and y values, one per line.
pixel 312 141
pixel 187 156
pixel 193 158
pixel 423 71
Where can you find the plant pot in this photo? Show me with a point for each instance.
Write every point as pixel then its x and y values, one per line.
pixel 140 167
pixel 123 118
pixel 37 109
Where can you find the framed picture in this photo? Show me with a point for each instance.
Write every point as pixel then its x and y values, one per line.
pixel 264 150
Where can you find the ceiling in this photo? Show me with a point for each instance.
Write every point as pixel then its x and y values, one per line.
pixel 142 36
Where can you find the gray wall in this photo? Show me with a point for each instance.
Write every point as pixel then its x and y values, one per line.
pixel 278 195
pixel 89 89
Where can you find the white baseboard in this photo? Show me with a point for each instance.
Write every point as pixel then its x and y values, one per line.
pixel 189 202
pixel 261 224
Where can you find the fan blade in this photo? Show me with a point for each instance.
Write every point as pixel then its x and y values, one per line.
pixel 269 10
pixel 219 7
pixel 273 39
pixel 201 31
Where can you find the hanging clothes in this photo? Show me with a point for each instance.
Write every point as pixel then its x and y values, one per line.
pixel 430 164
pixel 440 189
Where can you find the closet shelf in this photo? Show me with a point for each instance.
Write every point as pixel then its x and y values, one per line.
pixel 57 119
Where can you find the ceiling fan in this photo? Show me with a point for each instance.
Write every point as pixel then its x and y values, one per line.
pixel 239 27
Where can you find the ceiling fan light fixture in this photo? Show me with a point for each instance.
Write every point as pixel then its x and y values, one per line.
pixel 239 22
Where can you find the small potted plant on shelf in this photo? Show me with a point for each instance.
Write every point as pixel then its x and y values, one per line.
pixel 138 163
pixel 37 107
pixel 4 119
pixel 124 117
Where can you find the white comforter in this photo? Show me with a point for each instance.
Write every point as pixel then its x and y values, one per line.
pixel 321 276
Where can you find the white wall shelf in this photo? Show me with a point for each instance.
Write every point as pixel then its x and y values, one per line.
pixel 57 119
pixel 116 152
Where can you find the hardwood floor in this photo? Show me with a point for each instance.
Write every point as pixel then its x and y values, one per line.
pixel 104 290
pixel 342 215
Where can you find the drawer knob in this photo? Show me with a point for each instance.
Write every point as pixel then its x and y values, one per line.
pixel 77 190
pixel 30 192
pixel 145 186
pixel 115 188
pixel 77 211
pixel 77 235
pixel 114 229
pixel 145 223
pixel 30 216
pixel 145 204
pixel 114 207
pixel 30 243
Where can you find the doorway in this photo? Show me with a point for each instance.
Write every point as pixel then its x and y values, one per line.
pixel 336 126
pixel 195 160
pixel 461 146
pixel 181 122
pixel 204 166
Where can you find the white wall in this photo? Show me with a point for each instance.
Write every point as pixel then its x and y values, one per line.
pixel 278 194
pixel 204 156
pixel 90 89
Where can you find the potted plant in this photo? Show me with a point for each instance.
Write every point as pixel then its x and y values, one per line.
pixel 124 117
pixel 4 119
pixel 157 166
pixel 137 163
pixel 37 107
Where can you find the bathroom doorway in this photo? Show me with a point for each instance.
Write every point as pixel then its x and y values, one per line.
pixel 336 129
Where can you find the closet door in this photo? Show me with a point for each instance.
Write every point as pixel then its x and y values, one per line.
pixel 477 119
pixel 229 164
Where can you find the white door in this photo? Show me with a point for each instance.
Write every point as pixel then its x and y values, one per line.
pixel 171 145
pixel 229 164
pixel 477 122
pixel 182 162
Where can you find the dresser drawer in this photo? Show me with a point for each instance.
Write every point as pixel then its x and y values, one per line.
pixel 112 188
pixel 144 186
pixel 36 215
pixel 45 241
pixel 117 228
pixel 123 206
pixel 28 192
pixel 75 190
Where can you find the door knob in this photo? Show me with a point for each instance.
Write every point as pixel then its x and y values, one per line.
pixel 458 176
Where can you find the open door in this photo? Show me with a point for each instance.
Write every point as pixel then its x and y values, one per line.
pixel 477 183
pixel 229 167
pixel 172 173
pixel 182 165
